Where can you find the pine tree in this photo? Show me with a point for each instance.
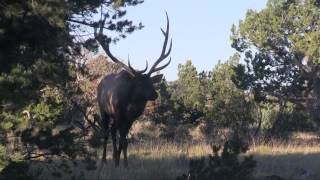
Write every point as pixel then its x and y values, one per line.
pixel 41 46
pixel 280 46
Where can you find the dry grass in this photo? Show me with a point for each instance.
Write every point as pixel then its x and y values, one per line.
pixel 163 160
pixel 154 160
pixel 287 160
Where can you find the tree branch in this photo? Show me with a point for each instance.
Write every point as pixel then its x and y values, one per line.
pixel 92 124
pixel 94 25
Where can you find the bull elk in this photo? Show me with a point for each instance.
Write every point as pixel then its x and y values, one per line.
pixel 122 97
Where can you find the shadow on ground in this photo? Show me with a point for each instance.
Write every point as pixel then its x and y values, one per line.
pixel 146 166
pixel 291 166
pixel 140 168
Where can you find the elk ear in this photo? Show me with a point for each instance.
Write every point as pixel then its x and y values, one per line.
pixel 156 78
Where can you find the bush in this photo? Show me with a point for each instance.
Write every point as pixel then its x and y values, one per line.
pixel 16 171
pixel 223 165
pixel 281 124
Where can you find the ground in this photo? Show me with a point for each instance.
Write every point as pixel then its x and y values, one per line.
pixel 166 160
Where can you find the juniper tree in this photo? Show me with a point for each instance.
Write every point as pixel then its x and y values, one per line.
pixel 280 48
pixel 41 44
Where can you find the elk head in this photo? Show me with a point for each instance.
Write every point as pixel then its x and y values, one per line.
pixel 143 82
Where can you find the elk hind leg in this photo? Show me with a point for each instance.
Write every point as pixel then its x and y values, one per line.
pixel 116 154
pixel 105 124
pixel 105 142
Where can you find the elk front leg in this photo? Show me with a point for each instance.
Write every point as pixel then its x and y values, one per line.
pixel 123 143
pixel 123 146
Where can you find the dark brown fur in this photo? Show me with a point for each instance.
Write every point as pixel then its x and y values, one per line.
pixel 122 97
pixel 121 102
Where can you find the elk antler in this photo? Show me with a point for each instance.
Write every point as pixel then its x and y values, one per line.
pixel 138 71
pixel 164 54
pixel 104 42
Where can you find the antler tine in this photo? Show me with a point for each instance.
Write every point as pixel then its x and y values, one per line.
pixel 105 47
pixel 145 69
pixel 164 54
pixel 103 41
pixel 162 67
pixel 138 71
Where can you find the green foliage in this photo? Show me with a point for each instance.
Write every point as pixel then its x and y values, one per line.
pixel 189 86
pixel 33 39
pixel 223 165
pixel 190 93
pixel 7 157
pixel 280 46
pixel 17 171
pixel 282 123
pixel 211 99
pixel 48 110
pixel 230 107
pixel 269 115
pixel 205 97
pixel 40 48
pixel 181 101
pixel 166 112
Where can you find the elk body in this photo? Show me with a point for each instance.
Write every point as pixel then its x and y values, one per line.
pixel 122 97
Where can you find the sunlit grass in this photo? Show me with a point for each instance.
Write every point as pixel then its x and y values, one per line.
pixel 167 160
pixel 278 150
pixel 287 160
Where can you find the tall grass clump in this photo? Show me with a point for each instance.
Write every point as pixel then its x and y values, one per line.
pixel 224 163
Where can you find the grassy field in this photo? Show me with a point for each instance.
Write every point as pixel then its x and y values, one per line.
pixel 287 160
pixel 163 160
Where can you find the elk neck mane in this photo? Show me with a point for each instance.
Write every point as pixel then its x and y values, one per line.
pixel 130 85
